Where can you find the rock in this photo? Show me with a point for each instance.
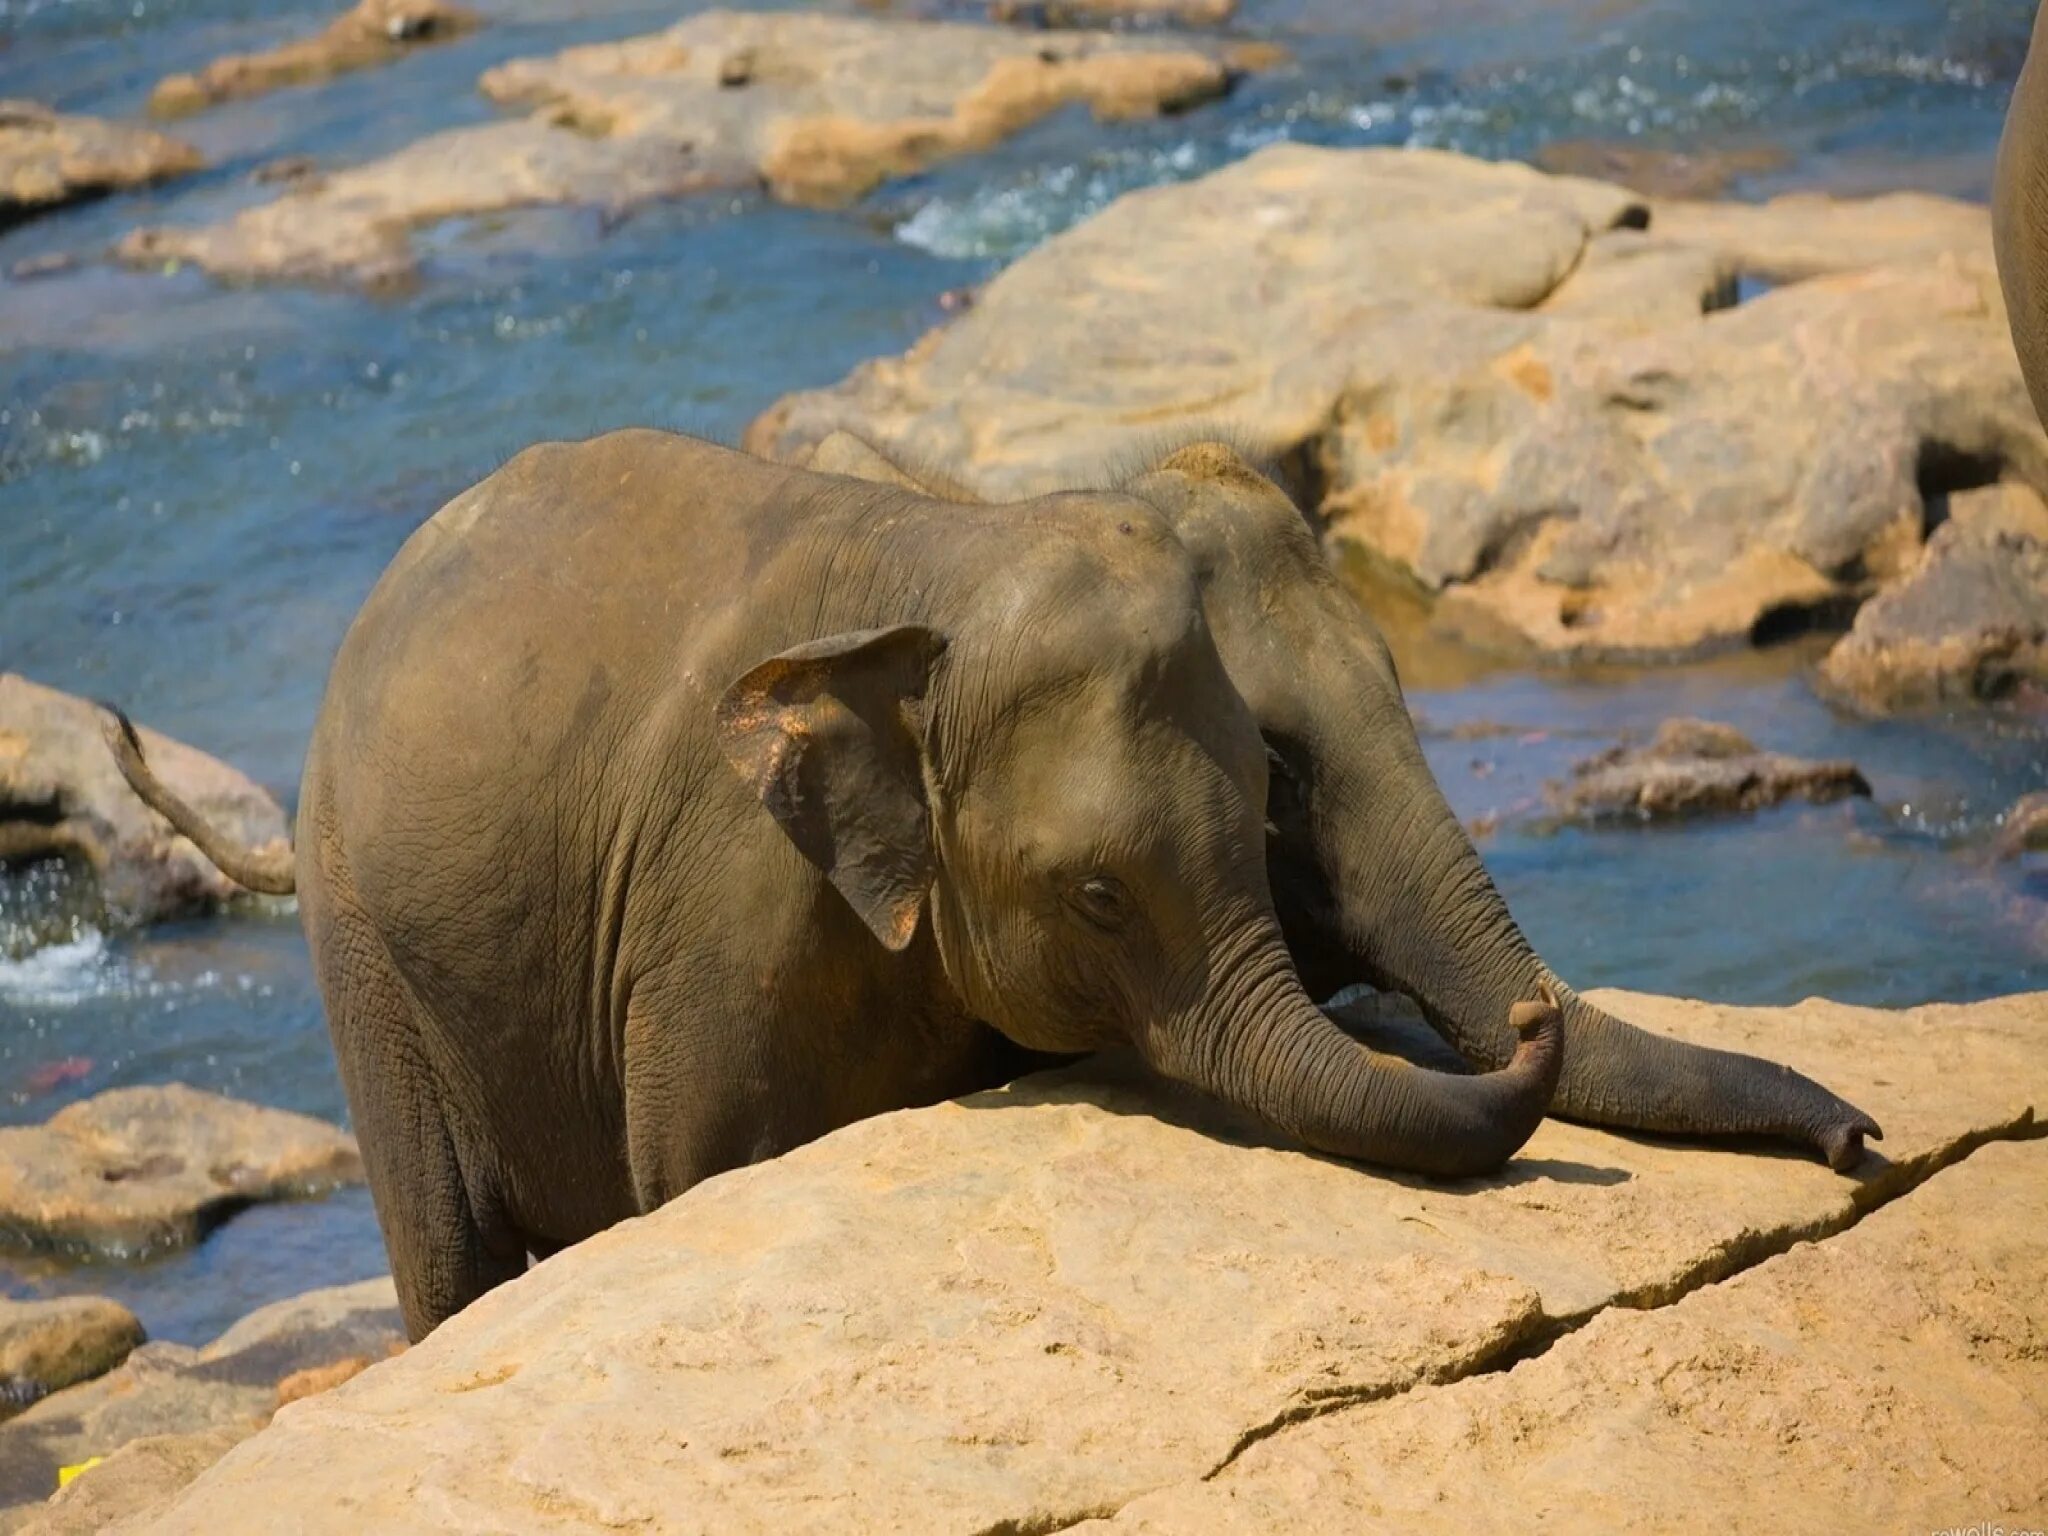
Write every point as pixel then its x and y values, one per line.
pixel 61 796
pixel 1031 1306
pixel 45 1345
pixel 1695 768
pixel 140 1475
pixel 134 1171
pixel 1660 172
pixel 374 32
pixel 1096 13
pixel 171 1409
pixel 822 108
pixel 1968 621
pixel 1891 1378
pixel 1499 384
pixel 2024 828
pixel 48 159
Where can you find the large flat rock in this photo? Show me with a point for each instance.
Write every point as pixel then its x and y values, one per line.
pixel 180 1408
pixel 135 1171
pixel 1535 396
pixel 51 158
pixel 1033 1306
pixel 819 108
pixel 62 796
pixel 1894 1378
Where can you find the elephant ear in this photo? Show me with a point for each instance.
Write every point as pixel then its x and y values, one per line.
pixel 826 734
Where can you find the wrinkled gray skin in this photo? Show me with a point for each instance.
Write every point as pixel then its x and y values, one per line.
pixel 2019 215
pixel 668 808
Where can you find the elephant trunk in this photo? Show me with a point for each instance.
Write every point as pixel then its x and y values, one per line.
pixel 1272 1051
pixel 1413 905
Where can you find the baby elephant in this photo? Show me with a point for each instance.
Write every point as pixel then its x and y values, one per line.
pixel 668 808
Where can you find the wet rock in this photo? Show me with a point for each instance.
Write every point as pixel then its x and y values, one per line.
pixel 1696 768
pixel 820 108
pixel 1096 13
pixel 1660 172
pixel 61 796
pixel 172 1410
pixel 374 32
pixel 1030 1306
pixel 1499 384
pixel 49 158
pixel 45 1345
pixel 134 1171
pixel 2024 828
pixel 1968 621
pixel 1893 1377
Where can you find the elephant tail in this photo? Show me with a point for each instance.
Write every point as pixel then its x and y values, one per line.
pixel 268 872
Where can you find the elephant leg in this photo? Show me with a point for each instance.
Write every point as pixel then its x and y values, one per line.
pixel 446 1246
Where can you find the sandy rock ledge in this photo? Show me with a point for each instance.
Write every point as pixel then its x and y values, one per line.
pixel 1090 1293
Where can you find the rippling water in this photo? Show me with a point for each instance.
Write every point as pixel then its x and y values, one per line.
pixel 198 484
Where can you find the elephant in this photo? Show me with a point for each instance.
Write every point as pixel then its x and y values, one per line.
pixel 2019 215
pixel 669 807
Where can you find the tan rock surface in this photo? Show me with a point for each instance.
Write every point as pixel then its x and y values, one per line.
pixel 1497 383
pixel 136 1170
pixel 821 108
pixel 1016 1311
pixel 51 158
pixel 45 1345
pixel 1893 1378
pixel 61 795
pixel 2024 827
pixel 172 1410
pixel 371 33
pixel 1696 768
pixel 1968 620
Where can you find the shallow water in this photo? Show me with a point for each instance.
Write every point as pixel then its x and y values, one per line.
pixel 198 484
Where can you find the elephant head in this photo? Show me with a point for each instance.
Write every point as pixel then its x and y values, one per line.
pixel 1374 879
pixel 1060 775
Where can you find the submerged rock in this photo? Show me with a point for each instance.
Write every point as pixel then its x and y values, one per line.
pixel 61 796
pixel 45 1345
pixel 2024 828
pixel 1660 172
pixel 49 158
pixel 1032 1306
pixel 1695 768
pixel 819 108
pixel 1967 622
pixel 1534 395
pixel 172 1410
pixel 374 32
pixel 1095 13
pixel 136 1170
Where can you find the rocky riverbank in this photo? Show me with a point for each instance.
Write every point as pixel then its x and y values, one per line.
pixel 1587 424
pixel 1091 1296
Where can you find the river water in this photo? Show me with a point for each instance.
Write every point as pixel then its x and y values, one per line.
pixel 198 485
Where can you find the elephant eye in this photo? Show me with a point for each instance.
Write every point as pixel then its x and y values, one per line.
pixel 1102 900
